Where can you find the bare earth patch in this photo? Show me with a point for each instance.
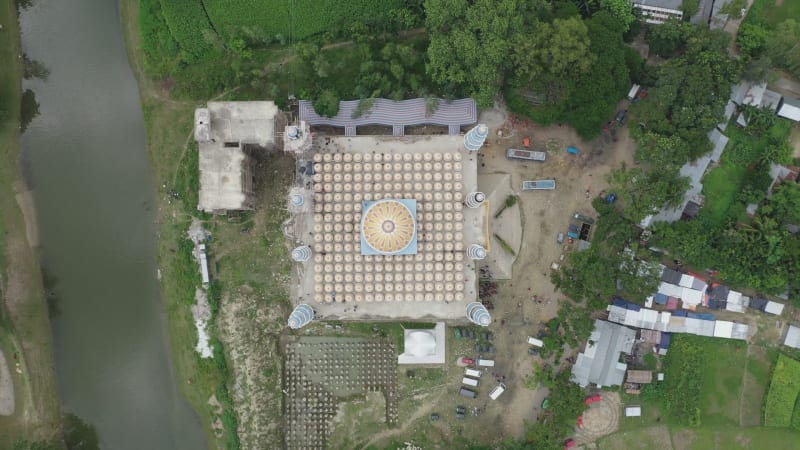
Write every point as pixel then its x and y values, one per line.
pixel 601 419
pixel 683 439
pixel 6 388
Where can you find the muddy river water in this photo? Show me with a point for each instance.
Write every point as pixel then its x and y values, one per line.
pixel 85 158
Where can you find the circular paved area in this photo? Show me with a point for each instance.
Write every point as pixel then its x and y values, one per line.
pixel 602 418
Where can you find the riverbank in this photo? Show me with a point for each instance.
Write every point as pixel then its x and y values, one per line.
pixel 237 392
pixel 25 333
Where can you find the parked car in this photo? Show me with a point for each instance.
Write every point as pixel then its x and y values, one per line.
pixel 560 238
pixel 434 417
pixel 488 336
pixel 469 334
pixel 457 332
pixel 532 351
pixel 621 116
pixel 468 361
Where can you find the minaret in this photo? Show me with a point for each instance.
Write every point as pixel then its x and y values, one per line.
pixel 474 139
pixel 297 199
pixel 302 315
pixel 476 251
pixel 477 314
pixel 302 253
pixel 475 199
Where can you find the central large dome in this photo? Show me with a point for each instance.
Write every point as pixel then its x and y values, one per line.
pixel 388 226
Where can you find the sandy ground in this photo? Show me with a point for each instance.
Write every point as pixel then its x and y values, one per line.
pixel 26 206
pixel 544 215
pixel 6 388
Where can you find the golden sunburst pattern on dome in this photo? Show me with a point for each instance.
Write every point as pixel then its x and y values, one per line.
pixel 388 226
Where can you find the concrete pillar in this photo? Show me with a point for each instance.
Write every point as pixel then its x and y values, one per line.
pixel 477 314
pixel 476 251
pixel 302 253
pixel 302 315
pixel 475 199
pixel 474 139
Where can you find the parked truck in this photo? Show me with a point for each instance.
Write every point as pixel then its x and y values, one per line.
pixel 529 155
pixel 538 185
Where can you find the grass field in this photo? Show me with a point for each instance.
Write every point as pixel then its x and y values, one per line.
pixel 659 437
pixel 720 187
pixel 733 383
pixel 271 18
pixel 24 324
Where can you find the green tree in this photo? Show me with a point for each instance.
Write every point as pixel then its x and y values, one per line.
pixel 623 10
pixel 470 43
pixel 662 151
pixel 669 37
pixel 644 192
pixel 550 55
pixel 752 38
pixel 690 8
pixel 784 204
pixel 327 103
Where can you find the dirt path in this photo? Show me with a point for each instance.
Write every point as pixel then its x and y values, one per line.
pixel 428 406
pixel 744 382
pixel 6 388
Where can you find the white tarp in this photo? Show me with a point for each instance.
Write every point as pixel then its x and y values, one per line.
pixel 669 289
pixel 723 329
pixel 686 281
pixel 691 297
pixel 774 308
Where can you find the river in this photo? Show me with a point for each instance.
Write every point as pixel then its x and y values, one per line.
pixel 85 157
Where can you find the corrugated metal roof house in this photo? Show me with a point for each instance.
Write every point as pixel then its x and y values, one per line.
pixel 792 337
pixel 599 362
pixel 790 109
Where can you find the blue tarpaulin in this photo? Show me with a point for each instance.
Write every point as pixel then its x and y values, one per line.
pixel 680 313
pixel 666 340
pixel 661 299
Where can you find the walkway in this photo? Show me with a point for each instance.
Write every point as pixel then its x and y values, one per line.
pixel 452 114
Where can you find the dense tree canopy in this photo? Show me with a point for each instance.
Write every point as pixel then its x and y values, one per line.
pixel 471 43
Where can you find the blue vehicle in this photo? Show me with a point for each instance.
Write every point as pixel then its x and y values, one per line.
pixel 612 197
pixel 572 227
pixel 573 150
pixel 572 235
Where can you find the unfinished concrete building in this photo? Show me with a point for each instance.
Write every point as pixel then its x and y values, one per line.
pixel 228 135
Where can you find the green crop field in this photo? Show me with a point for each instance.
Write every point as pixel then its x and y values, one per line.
pixel 304 17
pixel 188 24
pixel 783 393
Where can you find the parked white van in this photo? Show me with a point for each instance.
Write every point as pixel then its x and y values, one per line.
pixel 535 342
pixel 486 362
pixel 498 391
pixel 472 373
pixel 469 381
